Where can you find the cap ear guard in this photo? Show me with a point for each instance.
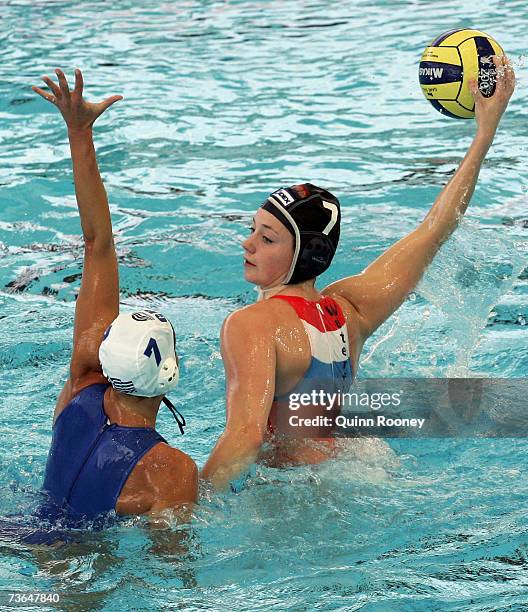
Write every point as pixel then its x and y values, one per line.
pixel 169 372
pixel 169 375
pixel 315 256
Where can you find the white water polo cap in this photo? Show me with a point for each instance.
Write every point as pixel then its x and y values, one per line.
pixel 138 354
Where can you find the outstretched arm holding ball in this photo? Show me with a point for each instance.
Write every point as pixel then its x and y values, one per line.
pixel 382 287
pixel 453 201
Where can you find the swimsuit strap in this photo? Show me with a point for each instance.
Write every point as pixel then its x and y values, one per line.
pixel 325 315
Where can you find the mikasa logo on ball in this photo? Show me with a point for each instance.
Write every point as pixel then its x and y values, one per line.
pixel 434 72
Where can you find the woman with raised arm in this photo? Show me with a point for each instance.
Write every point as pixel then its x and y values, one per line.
pixel 297 341
pixel 105 453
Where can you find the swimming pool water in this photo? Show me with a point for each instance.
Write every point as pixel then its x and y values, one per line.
pixel 224 102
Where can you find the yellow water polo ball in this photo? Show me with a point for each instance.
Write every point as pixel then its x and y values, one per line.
pixel 449 62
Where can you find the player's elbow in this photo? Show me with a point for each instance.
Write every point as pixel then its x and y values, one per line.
pixel 247 440
pixel 95 245
pixel 255 438
pixel 433 233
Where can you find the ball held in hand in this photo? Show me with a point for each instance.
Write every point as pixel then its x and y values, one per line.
pixel 450 62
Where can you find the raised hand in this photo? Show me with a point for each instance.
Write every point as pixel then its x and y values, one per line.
pixel 488 111
pixel 78 113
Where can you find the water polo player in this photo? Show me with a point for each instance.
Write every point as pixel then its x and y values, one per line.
pixel 296 339
pixel 105 453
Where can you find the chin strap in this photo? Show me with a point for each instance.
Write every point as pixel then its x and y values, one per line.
pixel 175 414
pixel 264 294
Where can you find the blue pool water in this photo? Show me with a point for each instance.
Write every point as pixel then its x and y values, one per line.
pixel 224 102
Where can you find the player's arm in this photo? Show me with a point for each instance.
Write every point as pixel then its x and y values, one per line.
pixel 98 301
pixel 248 352
pixel 382 287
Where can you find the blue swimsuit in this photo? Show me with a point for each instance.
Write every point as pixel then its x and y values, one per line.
pixel 91 459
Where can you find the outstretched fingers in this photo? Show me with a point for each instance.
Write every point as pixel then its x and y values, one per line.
pixel 77 112
pixel 79 83
pixel 53 86
pixel 65 90
pixel 109 101
pixel 45 94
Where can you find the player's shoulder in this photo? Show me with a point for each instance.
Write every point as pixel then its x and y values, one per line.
pixel 255 318
pixel 177 481
pixel 171 459
pixel 164 477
